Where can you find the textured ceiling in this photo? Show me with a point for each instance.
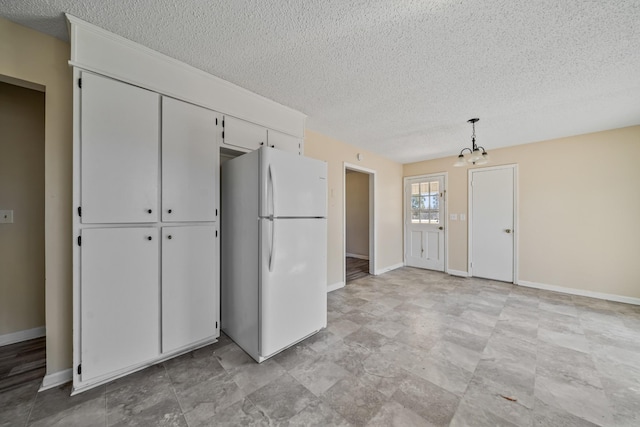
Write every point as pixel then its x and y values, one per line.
pixel 399 78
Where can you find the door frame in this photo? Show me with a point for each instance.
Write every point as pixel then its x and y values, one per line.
pixel 445 214
pixel 516 229
pixel 372 217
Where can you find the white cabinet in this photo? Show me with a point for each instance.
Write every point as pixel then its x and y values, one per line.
pixel 189 297
pixel 285 142
pixel 243 134
pixel 142 293
pixel 189 162
pixel 119 131
pixel 120 318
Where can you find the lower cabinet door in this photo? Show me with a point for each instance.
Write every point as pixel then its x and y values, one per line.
pixel 119 296
pixel 189 285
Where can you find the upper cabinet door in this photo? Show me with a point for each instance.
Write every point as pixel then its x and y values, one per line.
pixel 119 152
pixel 244 134
pixel 189 162
pixel 285 142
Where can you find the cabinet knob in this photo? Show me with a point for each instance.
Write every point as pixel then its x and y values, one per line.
pixel 169 237
pixel 149 211
pixel 262 143
pixel 149 238
pixel 170 210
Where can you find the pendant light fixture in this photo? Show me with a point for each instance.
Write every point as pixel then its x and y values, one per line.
pixel 476 157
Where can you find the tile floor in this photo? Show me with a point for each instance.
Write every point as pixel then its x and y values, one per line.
pixel 410 347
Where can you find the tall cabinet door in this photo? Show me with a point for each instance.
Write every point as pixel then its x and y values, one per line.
pixel 189 159
pixel 119 299
pixel 190 296
pixel 119 152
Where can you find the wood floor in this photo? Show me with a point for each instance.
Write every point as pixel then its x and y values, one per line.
pixel 22 362
pixel 357 268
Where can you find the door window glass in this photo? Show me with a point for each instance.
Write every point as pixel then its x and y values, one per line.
pixel 425 202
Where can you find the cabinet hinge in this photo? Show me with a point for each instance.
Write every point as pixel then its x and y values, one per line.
pixel 216 121
pixel 79 240
pixel 79 211
pixel 222 122
pixel 223 134
pixel 80 83
pixel 216 233
pixel 216 325
pixel 216 212
pixel 79 369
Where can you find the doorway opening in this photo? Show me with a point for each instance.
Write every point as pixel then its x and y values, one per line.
pixel 359 227
pixel 22 246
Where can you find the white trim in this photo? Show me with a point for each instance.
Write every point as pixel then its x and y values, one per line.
pixel 390 268
pixel 372 216
pixel 56 379
pixel 458 273
pixel 580 292
pixel 445 181
pixel 25 335
pixel 100 51
pixel 516 229
pixel 358 256
pixel 335 286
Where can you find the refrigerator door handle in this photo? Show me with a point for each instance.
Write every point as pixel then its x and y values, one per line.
pixel 272 253
pixel 273 246
pixel 273 191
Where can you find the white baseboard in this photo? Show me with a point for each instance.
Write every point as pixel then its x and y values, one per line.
pixel 56 379
pixel 390 268
pixel 358 256
pixel 335 286
pixel 458 273
pixel 580 292
pixel 20 336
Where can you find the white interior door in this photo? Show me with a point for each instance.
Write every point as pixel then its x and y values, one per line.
pixel 424 222
pixel 492 223
pixel 189 274
pixel 120 320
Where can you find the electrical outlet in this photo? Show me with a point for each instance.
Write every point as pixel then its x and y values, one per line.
pixel 6 217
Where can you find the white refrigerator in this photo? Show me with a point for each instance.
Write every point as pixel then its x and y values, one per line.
pixel 274 250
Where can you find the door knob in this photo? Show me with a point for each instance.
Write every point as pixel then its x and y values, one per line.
pixel 508 230
pixel 440 228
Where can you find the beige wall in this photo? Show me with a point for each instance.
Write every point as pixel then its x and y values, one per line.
pixel 579 204
pixel 28 55
pixel 357 213
pixel 387 199
pixel 21 190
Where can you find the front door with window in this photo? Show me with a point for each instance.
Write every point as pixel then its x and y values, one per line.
pixel 424 222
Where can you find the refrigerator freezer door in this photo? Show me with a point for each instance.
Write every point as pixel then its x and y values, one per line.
pixel 293 281
pixel 291 185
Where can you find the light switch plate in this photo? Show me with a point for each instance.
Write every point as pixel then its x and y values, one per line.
pixel 6 217
pixel 453 217
pixel 463 217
